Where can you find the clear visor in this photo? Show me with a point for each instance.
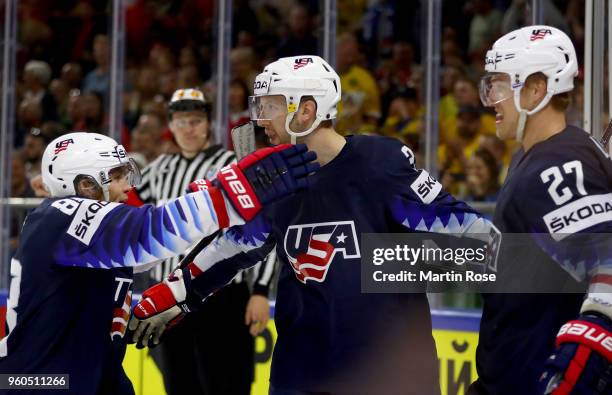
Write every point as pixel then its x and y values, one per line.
pixel 495 88
pixel 266 108
pixel 128 170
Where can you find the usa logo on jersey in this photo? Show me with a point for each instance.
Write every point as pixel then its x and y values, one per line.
pixel 311 248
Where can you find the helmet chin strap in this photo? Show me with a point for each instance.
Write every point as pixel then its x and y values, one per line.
pixel 520 127
pixel 295 135
pixel 106 192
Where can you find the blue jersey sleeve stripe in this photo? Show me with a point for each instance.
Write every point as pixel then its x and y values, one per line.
pixel 129 236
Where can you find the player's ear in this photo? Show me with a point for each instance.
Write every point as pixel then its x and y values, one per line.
pixel 307 110
pixel 535 87
pixel 540 87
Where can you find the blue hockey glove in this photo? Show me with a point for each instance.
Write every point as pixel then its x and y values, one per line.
pixel 582 362
pixel 265 175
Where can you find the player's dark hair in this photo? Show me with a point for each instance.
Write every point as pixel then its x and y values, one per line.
pixel 560 102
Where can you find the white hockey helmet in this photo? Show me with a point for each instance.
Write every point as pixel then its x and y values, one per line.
pixel 294 78
pixel 76 156
pixel 524 52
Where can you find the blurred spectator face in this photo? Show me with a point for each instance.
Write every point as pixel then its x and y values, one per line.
pixel 478 175
pixel 403 54
pixel 187 57
pixel 451 54
pixel 161 58
pixel 18 175
pixel 347 52
pixel 52 129
pixel 404 107
pixel 191 130
pixel 33 148
pixel 245 39
pixel 74 108
pixel 495 146
pixel 72 74
pixel 101 50
pixel 468 125
pixel 188 76
pixel 147 136
pixel 238 96
pixel 168 84
pixel 466 93
pixel 156 106
pixel 450 75
pixel 91 106
pixel 30 113
pixel 482 173
pixel 241 61
pixel 37 75
pixel 59 90
pixel 30 81
pixel 148 81
pixel 299 21
pixel 478 169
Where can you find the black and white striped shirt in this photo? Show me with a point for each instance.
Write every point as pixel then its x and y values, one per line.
pixel 168 177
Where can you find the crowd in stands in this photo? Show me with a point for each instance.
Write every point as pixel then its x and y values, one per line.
pixel 63 72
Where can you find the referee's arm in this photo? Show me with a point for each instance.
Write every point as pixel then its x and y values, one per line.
pixel 265 274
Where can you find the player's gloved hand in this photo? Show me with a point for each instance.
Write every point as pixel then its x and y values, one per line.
pixel 265 175
pixel 582 362
pixel 162 306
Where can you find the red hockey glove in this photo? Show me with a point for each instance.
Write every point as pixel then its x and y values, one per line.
pixel 162 306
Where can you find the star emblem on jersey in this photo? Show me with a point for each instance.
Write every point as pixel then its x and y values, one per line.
pixel 311 248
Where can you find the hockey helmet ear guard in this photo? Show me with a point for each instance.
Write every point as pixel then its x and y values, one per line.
pixel 295 78
pixel 74 157
pixel 526 51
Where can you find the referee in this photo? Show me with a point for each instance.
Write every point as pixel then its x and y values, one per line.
pixel 211 352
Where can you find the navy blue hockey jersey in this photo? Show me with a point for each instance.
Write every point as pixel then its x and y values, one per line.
pixel 560 187
pixel 70 298
pixel 331 336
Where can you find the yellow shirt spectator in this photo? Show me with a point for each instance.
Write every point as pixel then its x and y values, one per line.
pixel 360 97
pixel 405 120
